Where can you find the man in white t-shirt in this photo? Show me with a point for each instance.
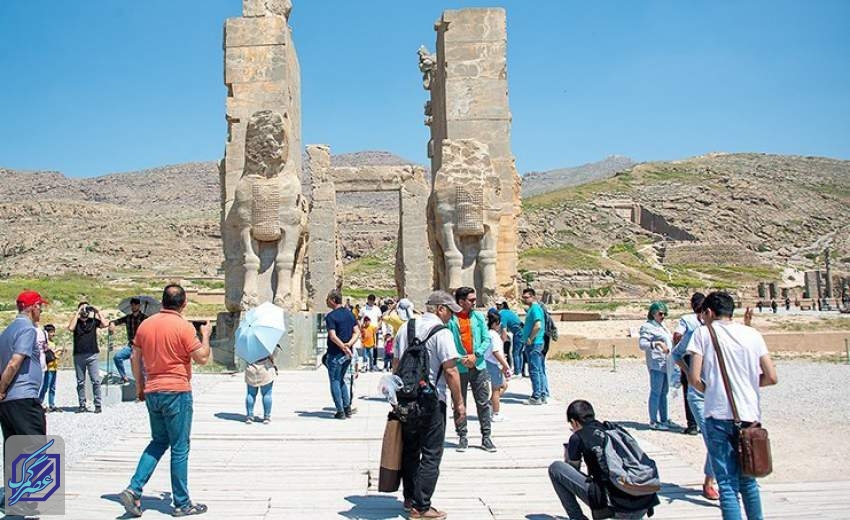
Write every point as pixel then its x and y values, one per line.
pixel 749 367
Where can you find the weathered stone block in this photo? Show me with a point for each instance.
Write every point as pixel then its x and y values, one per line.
pixel 476 25
pixel 477 60
pixel 266 30
pixel 477 98
pixel 256 64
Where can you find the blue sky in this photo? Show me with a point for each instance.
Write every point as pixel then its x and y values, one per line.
pixel 98 86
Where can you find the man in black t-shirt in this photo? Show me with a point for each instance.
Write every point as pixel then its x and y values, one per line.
pixel 342 334
pixel 84 325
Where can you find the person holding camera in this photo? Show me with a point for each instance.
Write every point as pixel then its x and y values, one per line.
pixel 83 326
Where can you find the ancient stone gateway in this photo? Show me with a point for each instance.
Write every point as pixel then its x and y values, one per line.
pixel 468 113
pixel 413 262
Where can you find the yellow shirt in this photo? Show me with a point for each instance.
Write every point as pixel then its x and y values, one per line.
pixel 394 320
pixel 367 335
pixel 54 365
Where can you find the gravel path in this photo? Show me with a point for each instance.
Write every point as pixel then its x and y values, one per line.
pixel 807 413
pixel 88 433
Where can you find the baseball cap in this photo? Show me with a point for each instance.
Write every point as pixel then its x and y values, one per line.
pixel 443 298
pixel 30 298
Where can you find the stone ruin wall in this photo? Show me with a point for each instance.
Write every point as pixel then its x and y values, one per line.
pixel 469 100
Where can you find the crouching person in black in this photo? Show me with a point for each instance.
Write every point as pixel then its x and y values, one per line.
pixel 596 489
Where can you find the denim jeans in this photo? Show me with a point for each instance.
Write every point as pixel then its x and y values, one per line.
pixel 696 401
pixel 721 437
pixel 48 387
pixel 170 415
pixel 570 484
pixel 517 351
pixel 120 357
pixel 337 369
pixel 658 388
pixel 537 371
pixel 250 399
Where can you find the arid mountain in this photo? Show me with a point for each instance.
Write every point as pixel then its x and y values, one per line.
pixel 535 183
pixel 719 220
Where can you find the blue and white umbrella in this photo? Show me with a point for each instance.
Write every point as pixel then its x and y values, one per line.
pixel 259 332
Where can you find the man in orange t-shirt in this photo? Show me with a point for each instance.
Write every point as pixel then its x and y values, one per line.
pixel 368 337
pixel 166 344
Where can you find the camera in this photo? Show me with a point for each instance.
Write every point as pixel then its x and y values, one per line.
pixel 87 312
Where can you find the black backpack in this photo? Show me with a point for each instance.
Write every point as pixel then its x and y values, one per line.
pixel 417 397
pixel 549 327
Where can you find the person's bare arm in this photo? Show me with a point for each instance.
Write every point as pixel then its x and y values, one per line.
pixel 768 375
pixel 535 329
pixel 695 373
pixel 354 335
pixel 138 373
pixel 11 371
pixel 201 356
pixel 73 323
pixel 500 357
pixel 102 322
pixel 453 382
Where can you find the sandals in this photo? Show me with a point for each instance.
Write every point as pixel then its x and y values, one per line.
pixel 128 499
pixel 193 509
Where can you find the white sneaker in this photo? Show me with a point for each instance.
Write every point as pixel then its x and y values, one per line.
pixel 658 426
pixel 497 417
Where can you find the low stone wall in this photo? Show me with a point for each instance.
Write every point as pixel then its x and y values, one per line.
pixel 699 253
pixel 779 342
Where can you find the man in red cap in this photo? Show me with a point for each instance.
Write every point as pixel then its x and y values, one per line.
pixel 20 408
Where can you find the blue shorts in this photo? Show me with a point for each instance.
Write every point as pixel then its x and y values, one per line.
pixel 496 377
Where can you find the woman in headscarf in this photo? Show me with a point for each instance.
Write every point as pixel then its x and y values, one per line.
pixel 656 342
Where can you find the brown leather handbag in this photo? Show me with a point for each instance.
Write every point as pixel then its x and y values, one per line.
pixel 753 443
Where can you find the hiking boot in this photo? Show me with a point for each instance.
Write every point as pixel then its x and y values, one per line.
pixel 193 509
pixel 462 444
pixel 340 415
pixel 691 430
pixel 533 401
pixel 658 426
pixel 131 502
pixel 97 409
pixel 487 445
pixel 431 514
pixel 81 409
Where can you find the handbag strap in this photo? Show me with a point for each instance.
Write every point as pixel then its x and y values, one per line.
pixel 723 374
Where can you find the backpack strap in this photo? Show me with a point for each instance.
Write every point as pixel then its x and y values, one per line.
pixel 723 375
pixel 434 330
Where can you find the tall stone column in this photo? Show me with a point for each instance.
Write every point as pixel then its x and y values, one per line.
pixel 323 257
pixel 413 261
pixel 467 80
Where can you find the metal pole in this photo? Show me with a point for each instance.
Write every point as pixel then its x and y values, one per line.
pixel 614 357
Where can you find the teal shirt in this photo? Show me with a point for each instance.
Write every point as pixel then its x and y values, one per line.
pixel 480 340
pixel 535 313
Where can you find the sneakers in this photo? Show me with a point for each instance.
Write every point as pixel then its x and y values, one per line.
pixel 267 420
pixel 129 500
pixel 462 444
pixel 691 430
pixel 81 409
pixel 487 445
pixel 658 426
pixel 671 425
pixel 533 401
pixel 193 509
pixel 249 419
pixel 340 415
pixel 545 399
pixel 97 409
pixel 497 417
pixel 349 411
pixel 432 514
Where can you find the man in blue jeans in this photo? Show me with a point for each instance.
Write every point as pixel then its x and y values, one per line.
pixel 749 367
pixel 343 332
pixel 132 322
pixel 166 344
pixel 533 333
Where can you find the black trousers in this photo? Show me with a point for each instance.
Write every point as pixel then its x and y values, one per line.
pixel 689 416
pixel 22 417
pixel 421 454
pixel 506 348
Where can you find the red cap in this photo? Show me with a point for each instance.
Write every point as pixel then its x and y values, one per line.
pixel 30 298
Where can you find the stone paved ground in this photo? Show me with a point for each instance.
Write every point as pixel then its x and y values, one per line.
pixel 308 465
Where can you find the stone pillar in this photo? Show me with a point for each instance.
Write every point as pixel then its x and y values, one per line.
pixel 413 256
pixel 325 267
pixel 261 72
pixel 761 291
pixel 819 285
pixel 467 79
pixel 828 289
pixel 811 285
pixel 771 289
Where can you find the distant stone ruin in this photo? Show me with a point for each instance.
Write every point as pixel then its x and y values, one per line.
pixel 468 114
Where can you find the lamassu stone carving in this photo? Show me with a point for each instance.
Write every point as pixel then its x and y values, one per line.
pixel 269 212
pixel 465 210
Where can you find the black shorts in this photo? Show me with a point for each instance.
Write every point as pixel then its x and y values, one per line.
pixel 22 417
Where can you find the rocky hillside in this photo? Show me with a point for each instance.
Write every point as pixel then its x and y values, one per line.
pixel 535 183
pixel 719 220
